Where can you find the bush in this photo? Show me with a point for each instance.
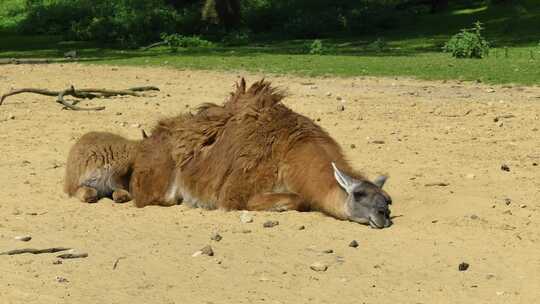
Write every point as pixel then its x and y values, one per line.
pixel 175 41
pixel 468 43
pixel 316 47
pixel 236 38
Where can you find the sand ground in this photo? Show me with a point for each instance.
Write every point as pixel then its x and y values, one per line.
pixel 418 132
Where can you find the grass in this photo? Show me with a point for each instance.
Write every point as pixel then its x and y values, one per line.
pixel 412 50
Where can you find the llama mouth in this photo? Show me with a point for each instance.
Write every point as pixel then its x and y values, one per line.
pixel 373 223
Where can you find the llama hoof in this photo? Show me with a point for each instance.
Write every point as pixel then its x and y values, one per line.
pixel 87 195
pixel 121 196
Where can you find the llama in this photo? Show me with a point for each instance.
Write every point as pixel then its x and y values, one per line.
pixel 254 153
pixel 99 165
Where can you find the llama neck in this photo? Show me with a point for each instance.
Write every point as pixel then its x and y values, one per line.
pixel 332 203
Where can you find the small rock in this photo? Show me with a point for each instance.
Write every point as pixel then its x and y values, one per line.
pixel 509 212
pixel 61 279
pixel 505 167
pixel 302 227
pixel 270 224
pixel 318 266
pixel 474 217
pixel 353 244
pixel 328 94
pixel 507 201
pixel 118 113
pixel 535 164
pixel 23 238
pixel 463 266
pixel 136 125
pixel 339 98
pixel 328 251
pixel 341 108
pixel 522 206
pixel 216 237
pixel 490 276
pixel 378 142
pixel 57 262
pixel 353 146
pixel 499 293
pixel 207 250
pixel 10 116
pixel 246 217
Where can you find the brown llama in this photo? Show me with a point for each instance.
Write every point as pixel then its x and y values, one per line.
pixel 254 153
pixel 99 165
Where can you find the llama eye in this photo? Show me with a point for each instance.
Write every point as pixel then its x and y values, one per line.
pixel 358 195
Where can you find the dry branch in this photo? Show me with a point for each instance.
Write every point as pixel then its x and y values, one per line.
pixel 34 251
pixel 80 93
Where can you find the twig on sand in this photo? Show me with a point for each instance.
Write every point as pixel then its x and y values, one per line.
pixel 34 251
pixel 82 94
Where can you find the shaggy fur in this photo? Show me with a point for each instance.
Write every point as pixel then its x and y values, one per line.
pixel 251 153
pixel 99 165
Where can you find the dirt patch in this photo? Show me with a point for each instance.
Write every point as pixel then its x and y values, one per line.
pixel 442 143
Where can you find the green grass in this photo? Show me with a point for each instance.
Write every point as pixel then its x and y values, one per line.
pixel 412 50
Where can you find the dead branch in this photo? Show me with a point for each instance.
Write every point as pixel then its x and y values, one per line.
pixel 82 94
pixel 153 45
pixel 72 255
pixel 34 251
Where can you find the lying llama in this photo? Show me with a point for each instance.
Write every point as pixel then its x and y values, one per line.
pixel 99 165
pixel 254 153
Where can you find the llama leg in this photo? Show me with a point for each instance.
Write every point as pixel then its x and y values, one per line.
pixel 121 196
pixel 86 194
pixel 277 202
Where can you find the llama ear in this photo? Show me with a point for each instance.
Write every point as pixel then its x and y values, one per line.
pixel 144 135
pixel 380 180
pixel 346 182
pixel 242 85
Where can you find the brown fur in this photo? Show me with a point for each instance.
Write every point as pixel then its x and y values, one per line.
pixel 99 165
pixel 251 153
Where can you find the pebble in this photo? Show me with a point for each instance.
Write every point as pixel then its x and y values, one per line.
pixel 23 238
pixel 10 116
pixel 246 217
pixel 328 251
pixel 353 146
pixel 505 167
pixel 522 206
pixel 507 201
pixel 318 266
pixel 60 279
pixel 216 237
pixel 270 224
pixel 378 142
pixel 339 98
pixel 353 244
pixel 302 227
pixel 328 94
pixel 206 250
pixel 341 108
pixel 137 125
pixel 463 266
pixel 474 217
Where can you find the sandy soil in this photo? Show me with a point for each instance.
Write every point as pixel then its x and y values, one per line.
pixel 418 132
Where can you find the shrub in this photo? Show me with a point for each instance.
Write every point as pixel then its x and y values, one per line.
pixel 316 47
pixel 468 43
pixel 240 37
pixel 175 41
pixel 379 45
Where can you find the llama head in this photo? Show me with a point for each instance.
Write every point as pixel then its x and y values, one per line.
pixel 367 202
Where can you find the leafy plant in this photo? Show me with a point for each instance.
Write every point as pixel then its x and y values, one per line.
pixel 469 43
pixel 379 45
pixel 316 47
pixel 175 41
pixel 240 37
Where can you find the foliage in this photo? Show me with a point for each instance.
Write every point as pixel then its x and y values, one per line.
pixel 175 41
pixel 236 38
pixel 316 47
pixel 379 45
pixel 468 43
